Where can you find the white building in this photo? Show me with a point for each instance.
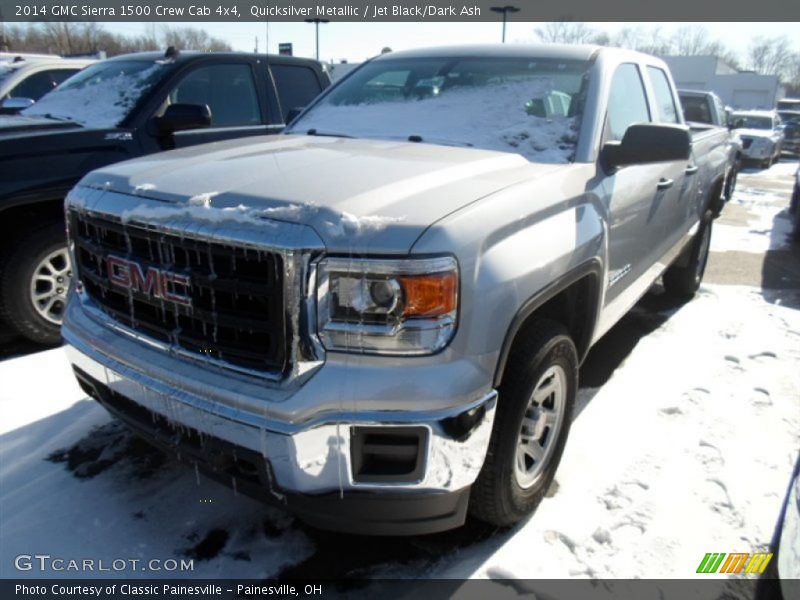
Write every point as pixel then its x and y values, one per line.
pixel 738 89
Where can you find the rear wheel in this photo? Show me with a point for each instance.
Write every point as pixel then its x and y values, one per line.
pixel 682 279
pixel 730 184
pixel 531 425
pixel 34 284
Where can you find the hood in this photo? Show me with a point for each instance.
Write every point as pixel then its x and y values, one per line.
pixel 755 133
pixel 357 194
pixel 19 124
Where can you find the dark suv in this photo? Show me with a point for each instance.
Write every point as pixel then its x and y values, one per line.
pixel 125 107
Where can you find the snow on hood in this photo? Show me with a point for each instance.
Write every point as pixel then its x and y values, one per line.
pixel 490 118
pixel 340 187
pixel 755 133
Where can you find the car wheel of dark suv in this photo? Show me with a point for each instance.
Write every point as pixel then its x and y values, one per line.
pixel 34 284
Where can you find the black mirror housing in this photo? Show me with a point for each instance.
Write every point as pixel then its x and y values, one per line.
pixel 293 113
pixel 180 117
pixel 648 143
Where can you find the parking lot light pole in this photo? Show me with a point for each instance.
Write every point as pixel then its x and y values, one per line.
pixel 505 10
pixel 316 26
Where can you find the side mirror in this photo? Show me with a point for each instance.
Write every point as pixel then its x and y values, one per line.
pixel 293 113
pixel 12 105
pixel 180 117
pixel 647 143
pixel 729 118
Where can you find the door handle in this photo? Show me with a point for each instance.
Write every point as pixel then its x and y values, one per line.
pixel 692 169
pixel 664 183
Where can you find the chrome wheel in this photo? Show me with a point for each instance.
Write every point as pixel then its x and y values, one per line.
pixel 541 423
pixel 49 285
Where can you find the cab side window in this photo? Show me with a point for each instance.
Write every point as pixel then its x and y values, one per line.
pixel 627 102
pixel 229 91
pixel 665 103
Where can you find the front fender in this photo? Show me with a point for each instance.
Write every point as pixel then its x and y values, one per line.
pixel 518 248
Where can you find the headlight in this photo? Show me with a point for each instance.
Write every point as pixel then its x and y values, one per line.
pixel 399 307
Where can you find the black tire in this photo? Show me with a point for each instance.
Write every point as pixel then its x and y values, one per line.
pixel 730 184
pixel 497 497
pixel 16 306
pixel 682 279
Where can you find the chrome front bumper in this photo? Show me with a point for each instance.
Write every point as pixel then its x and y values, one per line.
pixel 310 453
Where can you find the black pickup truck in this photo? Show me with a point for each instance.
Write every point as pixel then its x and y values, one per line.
pixel 128 106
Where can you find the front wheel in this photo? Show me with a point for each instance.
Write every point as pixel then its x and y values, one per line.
pixel 682 279
pixel 531 425
pixel 34 284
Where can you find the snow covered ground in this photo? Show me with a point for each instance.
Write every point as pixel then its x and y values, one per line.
pixel 686 449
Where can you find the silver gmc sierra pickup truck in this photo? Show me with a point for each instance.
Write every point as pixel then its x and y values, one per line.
pixel 377 318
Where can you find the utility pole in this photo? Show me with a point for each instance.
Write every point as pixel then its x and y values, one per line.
pixel 505 10
pixel 316 26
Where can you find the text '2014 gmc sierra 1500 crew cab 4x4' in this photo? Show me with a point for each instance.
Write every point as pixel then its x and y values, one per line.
pixel 128 106
pixel 376 319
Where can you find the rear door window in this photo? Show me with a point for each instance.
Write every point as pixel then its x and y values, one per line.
pixel 665 103
pixel 297 86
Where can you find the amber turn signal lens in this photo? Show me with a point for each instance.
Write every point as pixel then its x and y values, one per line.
pixel 430 295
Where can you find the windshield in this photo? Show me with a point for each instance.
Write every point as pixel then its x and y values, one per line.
pixel 751 122
pixel 101 95
pixel 528 106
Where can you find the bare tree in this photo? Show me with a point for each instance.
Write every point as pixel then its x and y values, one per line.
pixel 771 57
pixel 89 38
pixel 638 38
pixel 190 38
pixel 569 32
pixel 793 75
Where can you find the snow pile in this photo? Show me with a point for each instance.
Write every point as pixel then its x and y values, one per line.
pixel 203 199
pixel 198 208
pixel 764 196
pixel 352 225
pixel 113 497
pixel 688 449
pixel 102 103
pixel 491 117
pixel 144 187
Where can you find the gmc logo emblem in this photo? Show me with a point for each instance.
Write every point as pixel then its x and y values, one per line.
pixel 153 282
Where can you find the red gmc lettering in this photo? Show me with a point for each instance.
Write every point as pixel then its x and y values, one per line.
pixel 157 283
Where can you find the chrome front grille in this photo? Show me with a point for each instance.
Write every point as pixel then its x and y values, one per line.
pixel 215 300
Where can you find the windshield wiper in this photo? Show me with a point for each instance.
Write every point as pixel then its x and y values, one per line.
pixel 441 141
pixel 58 118
pixel 327 133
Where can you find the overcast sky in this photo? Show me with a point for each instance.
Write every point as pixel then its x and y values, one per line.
pixel 357 41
